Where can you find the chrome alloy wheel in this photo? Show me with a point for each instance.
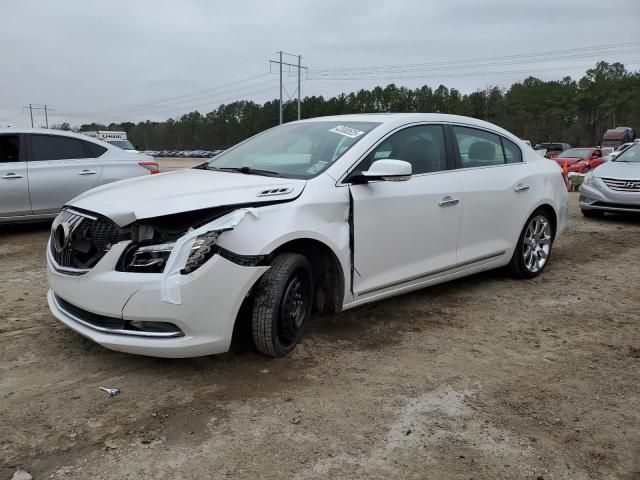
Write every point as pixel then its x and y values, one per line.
pixel 537 243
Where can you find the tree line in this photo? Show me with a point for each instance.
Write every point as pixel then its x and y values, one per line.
pixel 567 110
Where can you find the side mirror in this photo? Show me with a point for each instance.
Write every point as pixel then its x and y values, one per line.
pixel 387 169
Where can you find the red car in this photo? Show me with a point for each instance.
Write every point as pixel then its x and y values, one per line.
pixel 580 160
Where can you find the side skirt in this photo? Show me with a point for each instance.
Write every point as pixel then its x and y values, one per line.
pixel 486 263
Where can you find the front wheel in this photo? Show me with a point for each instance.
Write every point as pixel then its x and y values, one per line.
pixel 534 246
pixel 282 305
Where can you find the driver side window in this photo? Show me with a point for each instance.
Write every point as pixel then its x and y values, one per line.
pixel 422 146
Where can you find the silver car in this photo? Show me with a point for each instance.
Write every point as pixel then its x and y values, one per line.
pixel 614 186
pixel 41 170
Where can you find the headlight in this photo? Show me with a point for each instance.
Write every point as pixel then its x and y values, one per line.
pixel 153 258
pixel 588 178
pixel 202 250
pixel 150 258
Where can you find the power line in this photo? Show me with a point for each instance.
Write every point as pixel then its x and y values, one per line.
pixel 386 70
pixel 596 50
pixel 459 74
pixel 220 100
pixel 217 100
pixel 187 97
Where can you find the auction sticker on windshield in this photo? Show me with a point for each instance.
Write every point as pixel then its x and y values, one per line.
pixel 347 131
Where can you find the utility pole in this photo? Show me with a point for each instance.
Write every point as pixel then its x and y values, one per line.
pixel 280 87
pixel 486 103
pixel 45 108
pixel 300 67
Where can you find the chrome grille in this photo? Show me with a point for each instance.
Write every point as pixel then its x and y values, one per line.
pixel 79 240
pixel 622 185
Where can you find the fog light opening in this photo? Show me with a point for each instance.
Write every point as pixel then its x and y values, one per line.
pixel 152 327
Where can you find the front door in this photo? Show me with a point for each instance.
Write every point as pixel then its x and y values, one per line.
pixel 60 168
pixel 404 230
pixel 14 187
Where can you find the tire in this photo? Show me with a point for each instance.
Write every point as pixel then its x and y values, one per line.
pixel 533 249
pixel 592 213
pixel 282 305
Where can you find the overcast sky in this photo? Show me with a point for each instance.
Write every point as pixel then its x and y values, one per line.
pixel 113 60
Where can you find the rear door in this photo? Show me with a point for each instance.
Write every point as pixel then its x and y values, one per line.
pixel 496 190
pixel 14 187
pixel 60 168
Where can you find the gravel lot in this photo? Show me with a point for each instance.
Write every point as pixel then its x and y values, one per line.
pixel 486 377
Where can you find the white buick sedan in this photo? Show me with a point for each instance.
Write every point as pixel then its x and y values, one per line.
pixel 327 214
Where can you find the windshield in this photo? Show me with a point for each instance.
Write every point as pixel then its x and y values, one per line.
pixel 295 150
pixel 575 153
pixel 123 144
pixel 631 154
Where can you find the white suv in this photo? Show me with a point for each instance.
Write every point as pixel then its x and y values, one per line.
pixel 328 213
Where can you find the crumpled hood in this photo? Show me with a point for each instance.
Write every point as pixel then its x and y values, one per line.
pixel 181 191
pixel 618 170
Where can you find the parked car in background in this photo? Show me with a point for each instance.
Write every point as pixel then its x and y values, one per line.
pixel 622 148
pixel 327 213
pixel 580 160
pixel 552 149
pixel 614 186
pixel 41 170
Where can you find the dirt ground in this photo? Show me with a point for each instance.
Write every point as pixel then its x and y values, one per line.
pixel 484 378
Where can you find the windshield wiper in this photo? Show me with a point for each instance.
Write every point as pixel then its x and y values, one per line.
pixel 205 166
pixel 249 171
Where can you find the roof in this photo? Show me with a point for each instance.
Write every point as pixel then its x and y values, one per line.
pixel 51 131
pixel 400 118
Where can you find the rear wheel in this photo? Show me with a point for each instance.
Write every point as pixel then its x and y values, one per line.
pixel 534 246
pixel 282 305
pixel 593 213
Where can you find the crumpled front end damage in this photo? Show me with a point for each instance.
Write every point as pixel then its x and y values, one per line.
pixel 181 311
pixel 113 307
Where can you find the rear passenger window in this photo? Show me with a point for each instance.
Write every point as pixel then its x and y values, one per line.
pixel 94 149
pixel 512 152
pixel 9 148
pixel 50 147
pixel 478 148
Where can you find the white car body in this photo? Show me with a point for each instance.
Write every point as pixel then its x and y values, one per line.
pixel 376 240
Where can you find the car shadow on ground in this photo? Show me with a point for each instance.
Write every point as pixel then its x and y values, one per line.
pixel 623 218
pixel 26 227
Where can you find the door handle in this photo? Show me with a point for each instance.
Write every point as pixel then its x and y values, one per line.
pixel 11 176
pixel 448 202
pixel 87 172
pixel 521 187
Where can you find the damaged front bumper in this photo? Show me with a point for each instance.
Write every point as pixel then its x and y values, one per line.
pixel 199 308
